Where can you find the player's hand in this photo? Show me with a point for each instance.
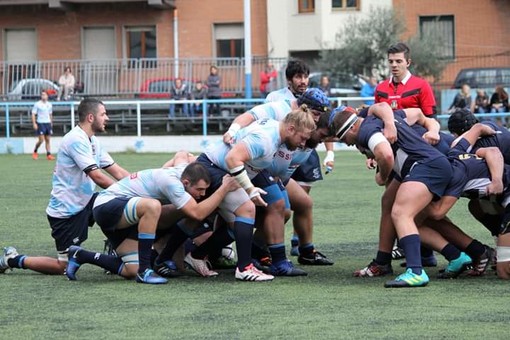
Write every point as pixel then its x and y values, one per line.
pixel 495 188
pixel 486 130
pixel 256 196
pixel 35 126
pixel 431 137
pixel 371 163
pixel 227 138
pixel 379 180
pixel 390 132
pixel 329 162
pixel 230 183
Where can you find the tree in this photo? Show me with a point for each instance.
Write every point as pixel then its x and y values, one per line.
pixel 361 47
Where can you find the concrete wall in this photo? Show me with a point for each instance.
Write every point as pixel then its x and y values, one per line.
pixel 293 31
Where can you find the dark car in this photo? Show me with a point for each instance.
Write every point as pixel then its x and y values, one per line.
pixel 341 84
pixel 486 77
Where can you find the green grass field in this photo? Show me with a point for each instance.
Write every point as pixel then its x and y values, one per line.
pixel 328 304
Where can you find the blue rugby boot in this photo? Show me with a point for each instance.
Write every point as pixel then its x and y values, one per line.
pixel 408 279
pixel 150 277
pixel 456 267
pixel 72 264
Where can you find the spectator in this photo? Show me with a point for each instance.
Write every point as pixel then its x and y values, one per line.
pixel 179 92
pixel 214 90
pixel 499 101
pixel 462 100
pixel 481 102
pixel 42 117
pixel 199 92
pixel 368 90
pixel 268 80
pixel 66 83
pixel 325 86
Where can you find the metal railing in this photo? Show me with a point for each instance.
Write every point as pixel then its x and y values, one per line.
pixel 127 78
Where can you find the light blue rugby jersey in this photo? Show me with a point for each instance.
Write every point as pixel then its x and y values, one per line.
pixel 262 138
pixel 43 111
pixel 273 110
pixel 72 188
pixel 163 184
pixel 279 95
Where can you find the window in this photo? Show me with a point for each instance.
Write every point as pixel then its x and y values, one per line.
pixel 306 6
pixel 141 42
pixel 229 40
pixel 441 27
pixel 345 4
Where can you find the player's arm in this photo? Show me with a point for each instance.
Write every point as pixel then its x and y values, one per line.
pixel 383 155
pixel 239 122
pixel 235 160
pixel 329 160
pixel 478 130
pixel 180 157
pixel 438 210
pixel 34 122
pixel 99 177
pixel 495 163
pixel 116 171
pixel 416 116
pixel 384 112
pixel 199 211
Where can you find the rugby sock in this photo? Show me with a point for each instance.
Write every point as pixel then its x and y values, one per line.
pixel 277 251
pixel 492 223
pixel 189 246
pixel 426 251
pixel 259 249
pixel 294 241
pixel 450 252
pixel 177 238
pixel 111 263
pixel 306 249
pixel 145 242
pixel 213 245
pixel 475 249
pixel 243 231
pixel 411 246
pixel 17 262
pixel 383 258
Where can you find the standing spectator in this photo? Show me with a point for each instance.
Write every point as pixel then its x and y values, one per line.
pixel 404 90
pixel 198 92
pixel 214 89
pixel 268 80
pixel 325 86
pixel 462 100
pixel 42 116
pixel 179 92
pixel 66 83
pixel 481 102
pixel 81 164
pixel 499 101
pixel 368 90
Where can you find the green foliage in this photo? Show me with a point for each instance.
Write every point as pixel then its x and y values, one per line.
pixel 361 45
pixel 329 303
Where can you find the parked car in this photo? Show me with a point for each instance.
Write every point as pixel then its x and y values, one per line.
pixel 484 77
pixel 341 84
pixel 30 89
pixel 157 88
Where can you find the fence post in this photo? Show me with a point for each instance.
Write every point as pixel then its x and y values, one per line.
pixel 138 120
pixel 7 123
pixel 72 115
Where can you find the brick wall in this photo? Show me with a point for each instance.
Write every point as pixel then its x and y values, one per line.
pixel 482 30
pixel 59 32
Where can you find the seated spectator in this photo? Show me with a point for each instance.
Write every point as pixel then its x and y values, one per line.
pixel 462 99
pixel 368 90
pixel 499 102
pixel 481 102
pixel 179 92
pixel 66 83
pixel 198 92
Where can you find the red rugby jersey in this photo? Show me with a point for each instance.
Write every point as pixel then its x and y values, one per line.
pixel 412 92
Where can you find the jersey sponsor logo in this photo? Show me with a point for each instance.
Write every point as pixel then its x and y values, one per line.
pixel 316 173
pixel 284 155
